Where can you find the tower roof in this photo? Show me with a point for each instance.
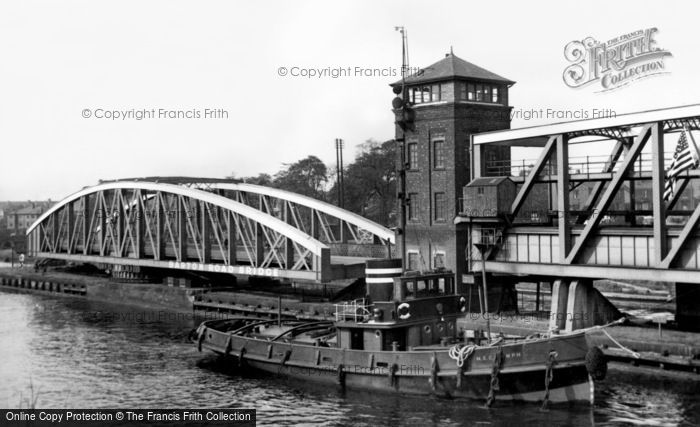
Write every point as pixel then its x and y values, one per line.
pixel 452 66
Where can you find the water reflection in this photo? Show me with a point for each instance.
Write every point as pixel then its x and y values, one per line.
pixel 78 353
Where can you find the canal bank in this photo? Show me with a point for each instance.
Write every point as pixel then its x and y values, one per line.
pixel 175 295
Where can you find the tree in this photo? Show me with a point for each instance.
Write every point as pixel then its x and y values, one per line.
pixel 262 179
pixel 370 182
pixel 307 176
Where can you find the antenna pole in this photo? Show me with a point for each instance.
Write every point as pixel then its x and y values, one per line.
pixel 402 162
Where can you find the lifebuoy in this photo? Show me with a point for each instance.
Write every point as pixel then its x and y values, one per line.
pixel 462 304
pixel 404 311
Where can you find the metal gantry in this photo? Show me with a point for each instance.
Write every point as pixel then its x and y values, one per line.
pixel 209 226
pixel 581 243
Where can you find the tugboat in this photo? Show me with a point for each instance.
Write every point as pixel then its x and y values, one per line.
pixel 402 337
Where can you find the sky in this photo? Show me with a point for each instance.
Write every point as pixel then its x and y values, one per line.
pixel 61 62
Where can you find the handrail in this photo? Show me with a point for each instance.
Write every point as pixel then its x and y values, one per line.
pixel 252 325
pixel 320 322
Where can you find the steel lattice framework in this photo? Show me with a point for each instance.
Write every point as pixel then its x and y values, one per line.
pixel 576 243
pixel 205 226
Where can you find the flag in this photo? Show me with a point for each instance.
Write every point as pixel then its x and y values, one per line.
pixel 685 157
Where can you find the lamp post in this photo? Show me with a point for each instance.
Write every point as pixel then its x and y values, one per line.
pixel 12 250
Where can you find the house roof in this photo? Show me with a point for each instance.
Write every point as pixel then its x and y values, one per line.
pixel 452 66
pixel 29 210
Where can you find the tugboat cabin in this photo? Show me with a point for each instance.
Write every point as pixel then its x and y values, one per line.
pixel 412 313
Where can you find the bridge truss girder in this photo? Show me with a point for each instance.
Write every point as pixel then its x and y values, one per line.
pixel 552 167
pixel 171 226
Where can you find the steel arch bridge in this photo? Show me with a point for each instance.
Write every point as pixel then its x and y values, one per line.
pixel 209 225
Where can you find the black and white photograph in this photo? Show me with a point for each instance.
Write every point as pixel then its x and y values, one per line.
pixel 349 213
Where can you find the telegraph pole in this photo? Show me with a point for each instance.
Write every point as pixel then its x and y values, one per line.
pixel 340 175
pixel 402 142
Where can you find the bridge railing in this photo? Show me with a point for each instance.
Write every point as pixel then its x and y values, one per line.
pixel 577 165
pixel 362 250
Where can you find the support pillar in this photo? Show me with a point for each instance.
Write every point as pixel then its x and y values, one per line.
pixel 560 296
pixel 587 307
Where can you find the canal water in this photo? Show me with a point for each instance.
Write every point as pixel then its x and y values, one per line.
pixel 71 352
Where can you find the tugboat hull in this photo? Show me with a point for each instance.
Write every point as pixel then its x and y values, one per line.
pixel 521 376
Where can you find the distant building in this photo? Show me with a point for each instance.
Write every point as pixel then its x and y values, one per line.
pixel 24 217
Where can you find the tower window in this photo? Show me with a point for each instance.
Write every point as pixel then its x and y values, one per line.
pixel 494 95
pixel 440 207
pixel 412 95
pixel 413 206
pixel 479 92
pixel 471 92
pixel 435 93
pixel 412 155
pixel 425 92
pixel 439 154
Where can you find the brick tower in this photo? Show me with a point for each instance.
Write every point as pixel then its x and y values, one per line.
pixel 449 101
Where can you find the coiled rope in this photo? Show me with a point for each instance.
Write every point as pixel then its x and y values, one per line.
pixel 461 353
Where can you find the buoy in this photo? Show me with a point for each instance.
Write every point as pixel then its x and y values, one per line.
pixel 596 364
pixel 404 311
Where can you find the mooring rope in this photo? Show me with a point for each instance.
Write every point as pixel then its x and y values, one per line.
pixel 495 371
pixel 632 352
pixel 549 376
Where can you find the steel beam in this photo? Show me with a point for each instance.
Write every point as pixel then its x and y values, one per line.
pixel 589 271
pixel 610 192
pixel 181 229
pixel 231 237
pixel 599 185
pixel 657 190
pixel 680 242
pixel 205 217
pixel 534 172
pixel 618 121
pixel 563 195
pixel 680 186
pixel 70 226
pixel 281 273
pixel 288 244
pixel 86 224
pixel 160 228
pixel 604 176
